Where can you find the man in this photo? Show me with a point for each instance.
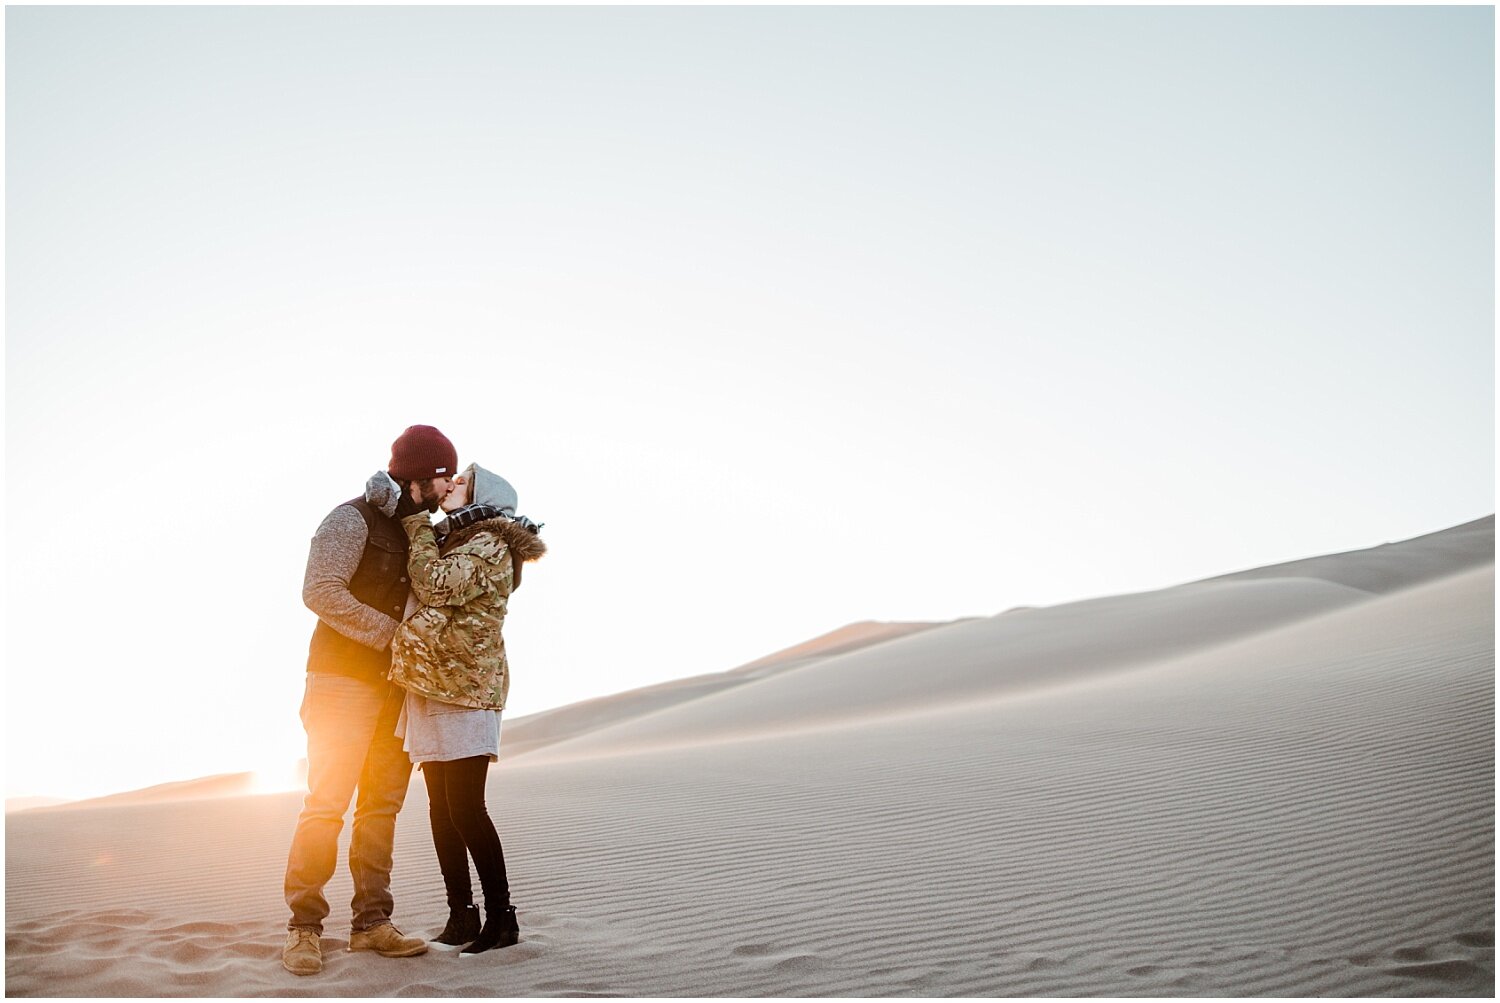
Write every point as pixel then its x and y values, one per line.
pixel 356 582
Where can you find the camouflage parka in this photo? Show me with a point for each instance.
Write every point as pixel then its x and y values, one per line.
pixel 451 650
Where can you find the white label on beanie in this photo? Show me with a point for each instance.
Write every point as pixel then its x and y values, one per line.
pixel 442 470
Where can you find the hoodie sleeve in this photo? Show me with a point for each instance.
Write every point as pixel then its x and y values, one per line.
pixel 337 548
pixel 440 581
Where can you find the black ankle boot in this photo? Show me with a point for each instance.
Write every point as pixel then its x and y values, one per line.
pixel 500 930
pixel 463 926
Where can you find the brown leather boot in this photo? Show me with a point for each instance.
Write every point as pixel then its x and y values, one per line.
pixel 387 941
pixel 303 953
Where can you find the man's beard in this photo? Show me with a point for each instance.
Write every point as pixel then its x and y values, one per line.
pixel 431 500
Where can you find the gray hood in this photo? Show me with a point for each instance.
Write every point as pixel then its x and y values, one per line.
pixel 491 489
pixel 383 492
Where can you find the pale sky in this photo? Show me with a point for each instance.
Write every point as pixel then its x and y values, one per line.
pixel 779 318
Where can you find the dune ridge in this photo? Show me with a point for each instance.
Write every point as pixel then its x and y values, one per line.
pixel 221 785
pixel 553 726
pixel 1275 784
pixel 28 803
pixel 1391 567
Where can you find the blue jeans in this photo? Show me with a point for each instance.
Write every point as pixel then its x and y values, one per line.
pixel 351 743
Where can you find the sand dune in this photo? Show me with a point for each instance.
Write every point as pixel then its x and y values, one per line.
pixel 551 727
pixel 977 659
pixel 1394 566
pixel 1278 785
pixel 221 785
pixel 27 804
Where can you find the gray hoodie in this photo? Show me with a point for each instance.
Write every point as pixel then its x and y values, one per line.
pixel 491 489
pixel 332 559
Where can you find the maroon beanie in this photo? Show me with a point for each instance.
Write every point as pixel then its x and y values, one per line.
pixel 422 452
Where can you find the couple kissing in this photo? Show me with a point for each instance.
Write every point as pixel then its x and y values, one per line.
pixel 407 666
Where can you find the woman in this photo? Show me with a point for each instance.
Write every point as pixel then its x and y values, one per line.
pixel 450 658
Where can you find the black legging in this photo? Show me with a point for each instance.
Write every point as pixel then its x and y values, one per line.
pixel 460 822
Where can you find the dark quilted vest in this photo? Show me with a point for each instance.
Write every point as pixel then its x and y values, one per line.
pixel 380 583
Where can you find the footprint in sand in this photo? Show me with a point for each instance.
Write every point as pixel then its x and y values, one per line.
pixel 1443 971
pixel 420 990
pixel 783 962
pixel 752 950
pixel 800 963
pixel 514 955
pixel 563 987
pixel 1042 963
pixel 1411 954
pixel 1419 962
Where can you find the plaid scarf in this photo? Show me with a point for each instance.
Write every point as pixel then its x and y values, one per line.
pixel 464 517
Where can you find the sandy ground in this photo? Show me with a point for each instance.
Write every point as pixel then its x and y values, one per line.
pixel 1277 782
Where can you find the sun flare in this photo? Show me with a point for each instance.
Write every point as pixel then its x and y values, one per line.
pixel 279 778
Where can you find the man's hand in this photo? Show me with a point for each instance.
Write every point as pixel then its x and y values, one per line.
pixel 409 503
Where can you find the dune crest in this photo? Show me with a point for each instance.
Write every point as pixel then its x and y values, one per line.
pixel 553 726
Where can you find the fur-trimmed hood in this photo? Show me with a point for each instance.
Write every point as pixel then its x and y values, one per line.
pixel 489 488
pixel 524 545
